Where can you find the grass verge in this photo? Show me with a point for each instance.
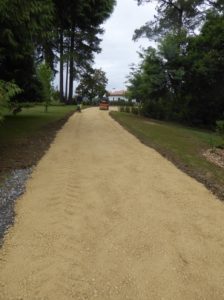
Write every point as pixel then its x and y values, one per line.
pixel 24 138
pixel 181 145
pixel 30 121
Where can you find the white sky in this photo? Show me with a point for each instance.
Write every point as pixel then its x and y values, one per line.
pixel 118 49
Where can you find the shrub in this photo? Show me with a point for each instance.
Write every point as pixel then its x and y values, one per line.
pixel 220 127
pixel 117 103
pixel 8 90
pixel 45 76
pixel 135 110
pixel 16 107
pixel 55 97
pixel 127 109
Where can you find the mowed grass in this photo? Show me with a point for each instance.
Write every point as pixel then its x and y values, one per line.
pixel 182 145
pixel 30 121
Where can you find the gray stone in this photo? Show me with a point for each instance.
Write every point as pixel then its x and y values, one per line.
pixel 10 191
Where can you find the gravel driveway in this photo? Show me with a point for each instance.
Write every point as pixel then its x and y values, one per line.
pixel 104 217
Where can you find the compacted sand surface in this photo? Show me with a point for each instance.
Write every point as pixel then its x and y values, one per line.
pixel 105 217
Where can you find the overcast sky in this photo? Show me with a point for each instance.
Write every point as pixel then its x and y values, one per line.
pixel 118 49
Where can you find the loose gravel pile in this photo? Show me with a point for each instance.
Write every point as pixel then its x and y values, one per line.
pixel 11 190
pixel 216 156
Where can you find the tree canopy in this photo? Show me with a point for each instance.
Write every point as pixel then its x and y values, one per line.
pixel 51 31
pixel 182 78
pixel 93 84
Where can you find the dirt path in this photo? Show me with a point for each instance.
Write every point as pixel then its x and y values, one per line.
pixel 105 217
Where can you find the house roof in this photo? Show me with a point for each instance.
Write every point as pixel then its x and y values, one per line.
pixel 117 93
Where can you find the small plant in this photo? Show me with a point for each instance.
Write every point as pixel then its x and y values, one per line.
pixel 121 108
pixel 212 144
pixel 8 90
pixel 220 130
pixel 16 109
pixel 220 127
pixel 45 76
pixel 135 110
pixel 55 97
pixel 127 109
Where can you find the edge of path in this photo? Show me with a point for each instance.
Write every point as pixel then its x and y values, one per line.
pixel 212 186
pixel 14 186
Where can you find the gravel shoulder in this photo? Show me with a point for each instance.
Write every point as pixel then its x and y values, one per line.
pixel 105 217
pixel 16 165
pixel 10 191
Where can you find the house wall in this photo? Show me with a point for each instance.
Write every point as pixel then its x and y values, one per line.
pixel 117 98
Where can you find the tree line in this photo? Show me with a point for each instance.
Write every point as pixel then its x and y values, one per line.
pixel 64 32
pixel 182 78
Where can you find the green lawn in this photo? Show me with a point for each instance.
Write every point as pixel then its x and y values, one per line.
pixel 182 145
pixel 30 121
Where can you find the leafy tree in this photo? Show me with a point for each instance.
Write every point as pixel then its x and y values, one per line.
pixel 135 85
pixel 204 81
pixel 183 80
pixel 45 76
pixel 93 14
pixel 93 84
pixel 32 31
pixel 186 85
pixel 173 16
pixel 79 25
pixel 22 23
pixel 149 84
pixel 148 81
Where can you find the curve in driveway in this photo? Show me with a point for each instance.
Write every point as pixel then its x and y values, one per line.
pixel 105 217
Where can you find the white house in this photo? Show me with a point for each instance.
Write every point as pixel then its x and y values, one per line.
pixel 117 95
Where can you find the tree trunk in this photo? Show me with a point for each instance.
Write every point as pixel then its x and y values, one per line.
pixel 71 66
pixel 61 66
pixel 66 82
pixel 180 20
pixel 180 27
pixel 46 107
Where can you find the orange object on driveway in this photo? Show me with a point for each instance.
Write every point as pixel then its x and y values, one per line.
pixel 104 105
